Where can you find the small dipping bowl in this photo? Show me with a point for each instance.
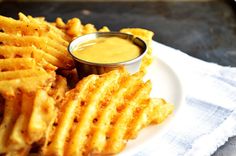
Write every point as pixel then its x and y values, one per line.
pixel 85 68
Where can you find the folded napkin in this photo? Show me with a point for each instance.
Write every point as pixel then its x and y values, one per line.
pixel 208 117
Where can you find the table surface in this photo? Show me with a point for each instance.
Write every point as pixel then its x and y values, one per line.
pixel 206 30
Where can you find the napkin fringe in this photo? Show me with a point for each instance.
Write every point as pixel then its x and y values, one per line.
pixel 215 139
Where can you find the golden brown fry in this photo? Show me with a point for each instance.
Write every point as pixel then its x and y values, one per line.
pixel 18 139
pixel 7 51
pixel 9 75
pixel 58 89
pixel 28 84
pixel 22 74
pixel 161 110
pixel 139 32
pixel 36 116
pixel 89 28
pixel 46 44
pixel 12 26
pixel 98 140
pixel 79 136
pixel 54 33
pixel 23 17
pixel 42 114
pixel 116 142
pixel 74 27
pixel 25 68
pixel 142 119
pixel 146 35
pixel 15 52
pixel 11 113
pixel 51 31
pixel 60 23
pixel 16 64
pixel 50 42
pixel 40 42
pixel 69 109
pixel 96 116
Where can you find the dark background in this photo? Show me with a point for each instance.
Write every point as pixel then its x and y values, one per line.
pixel 206 30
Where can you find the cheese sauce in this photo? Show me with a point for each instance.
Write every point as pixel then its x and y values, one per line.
pixel 107 50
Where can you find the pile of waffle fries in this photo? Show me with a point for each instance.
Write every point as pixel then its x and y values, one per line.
pixel 41 114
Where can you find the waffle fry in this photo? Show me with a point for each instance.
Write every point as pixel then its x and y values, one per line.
pixel 37 37
pixel 28 52
pixel 26 28
pixel 146 35
pixel 97 117
pixel 74 27
pixel 58 89
pixel 22 74
pixel 52 32
pixel 46 44
pixel 28 117
pixel 154 111
pixel 139 32
pixel 18 135
pixel 161 111
pixel 12 107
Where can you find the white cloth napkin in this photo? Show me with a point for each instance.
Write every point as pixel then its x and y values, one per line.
pixel 208 117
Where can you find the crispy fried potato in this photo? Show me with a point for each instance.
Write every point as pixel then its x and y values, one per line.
pixel 71 106
pixel 139 32
pixel 20 78
pixel 11 113
pixel 12 26
pixel 26 78
pixel 53 32
pixel 116 140
pixel 46 44
pixel 75 28
pixel 97 117
pixel 16 64
pixel 146 35
pixel 161 110
pixel 98 141
pixel 60 23
pixel 89 113
pixel 9 75
pixel 22 74
pixel 27 120
pixel 28 84
pixel 42 114
pixel 58 89
pixel 34 37
pixel 18 138
pixel 7 51
pixel 154 111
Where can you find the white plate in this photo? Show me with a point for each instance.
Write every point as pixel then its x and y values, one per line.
pixel 166 84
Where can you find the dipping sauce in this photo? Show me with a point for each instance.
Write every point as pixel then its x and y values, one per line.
pixel 107 50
